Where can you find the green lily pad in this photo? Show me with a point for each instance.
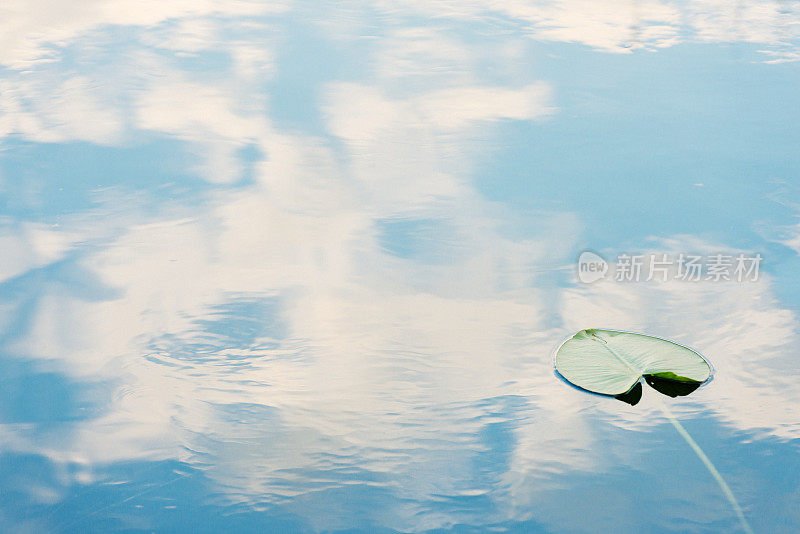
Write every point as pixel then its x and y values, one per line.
pixel 611 362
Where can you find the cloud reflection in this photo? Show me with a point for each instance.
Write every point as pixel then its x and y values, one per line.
pixel 267 334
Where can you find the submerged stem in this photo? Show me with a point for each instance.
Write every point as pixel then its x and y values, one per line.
pixel 711 469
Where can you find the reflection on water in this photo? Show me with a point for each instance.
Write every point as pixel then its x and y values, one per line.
pixel 274 266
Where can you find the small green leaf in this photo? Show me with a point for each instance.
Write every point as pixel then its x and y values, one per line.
pixel 612 362
pixel 669 375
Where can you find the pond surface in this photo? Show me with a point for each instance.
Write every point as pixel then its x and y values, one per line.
pixel 302 267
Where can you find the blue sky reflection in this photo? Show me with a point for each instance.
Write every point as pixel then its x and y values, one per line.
pixel 303 267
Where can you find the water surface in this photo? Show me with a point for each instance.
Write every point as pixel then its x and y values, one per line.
pixel 302 267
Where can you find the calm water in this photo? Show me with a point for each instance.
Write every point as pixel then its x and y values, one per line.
pixel 301 267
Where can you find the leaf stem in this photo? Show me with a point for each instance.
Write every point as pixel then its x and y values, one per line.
pixel 711 469
pixel 612 351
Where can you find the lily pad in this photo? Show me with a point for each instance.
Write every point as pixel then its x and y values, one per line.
pixel 611 362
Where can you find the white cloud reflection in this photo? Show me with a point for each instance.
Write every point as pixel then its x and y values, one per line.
pixel 385 363
pixel 625 25
pixel 34 30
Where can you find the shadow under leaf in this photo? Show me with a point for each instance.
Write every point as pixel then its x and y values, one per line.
pixel 672 388
pixel 633 396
